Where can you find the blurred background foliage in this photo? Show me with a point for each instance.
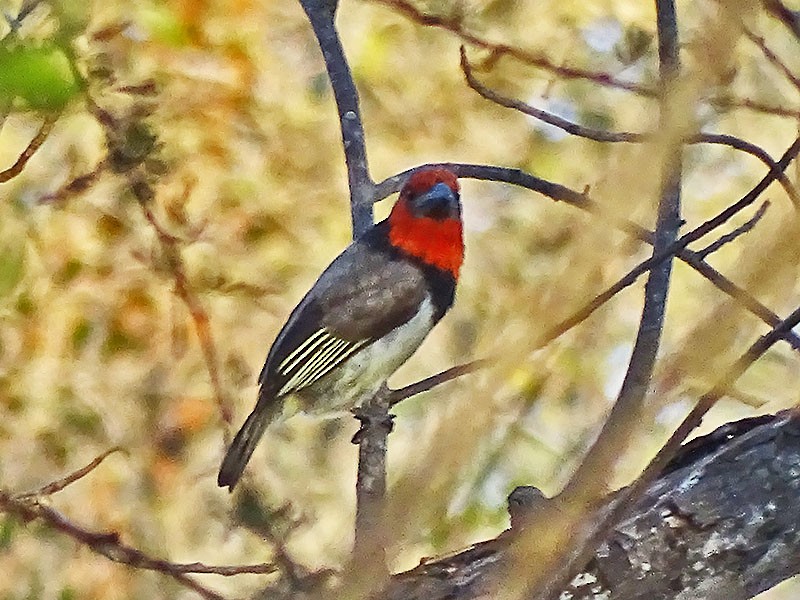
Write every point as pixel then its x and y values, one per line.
pixel 223 111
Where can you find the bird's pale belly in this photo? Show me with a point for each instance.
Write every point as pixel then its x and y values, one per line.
pixel 360 376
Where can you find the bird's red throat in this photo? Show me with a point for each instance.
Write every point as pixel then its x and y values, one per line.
pixel 439 243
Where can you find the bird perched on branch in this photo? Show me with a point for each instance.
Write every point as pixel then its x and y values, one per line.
pixel 366 314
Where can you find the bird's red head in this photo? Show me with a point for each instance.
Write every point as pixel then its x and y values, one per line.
pixel 426 221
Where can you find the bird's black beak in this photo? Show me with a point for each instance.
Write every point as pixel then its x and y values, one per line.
pixel 439 202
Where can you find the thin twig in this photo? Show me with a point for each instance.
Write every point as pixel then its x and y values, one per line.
pixel 455 26
pixel 736 233
pixel 169 246
pixel 601 135
pixel 76 185
pixel 30 150
pixel 321 16
pixel 433 381
pixel 773 58
pixel 726 103
pixel 539 60
pixel 60 484
pixel 110 546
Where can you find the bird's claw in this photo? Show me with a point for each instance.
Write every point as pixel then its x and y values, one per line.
pixel 370 420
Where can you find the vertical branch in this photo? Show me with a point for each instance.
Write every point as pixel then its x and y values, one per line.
pixel 614 437
pixel 368 565
pixel 321 14
pixel 562 535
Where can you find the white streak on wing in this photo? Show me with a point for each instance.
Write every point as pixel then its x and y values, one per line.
pixel 319 361
pixel 364 371
pixel 318 350
pixel 285 366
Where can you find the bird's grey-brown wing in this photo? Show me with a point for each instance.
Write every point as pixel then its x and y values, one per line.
pixel 361 297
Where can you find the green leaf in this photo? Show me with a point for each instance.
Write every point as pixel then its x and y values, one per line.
pixel 41 77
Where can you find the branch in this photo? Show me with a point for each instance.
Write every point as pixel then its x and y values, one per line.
pixel 30 150
pixel 601 135
pixel 565 551
pixel 658 257
pixel 683 539
pixel 736 233
pixel 773 58
pixel 322 16
pixel 32 505
pixel 560 193
pixel 535 59
pixel 790 18
pixel 397 396
pixel 58 485
pixel 202 323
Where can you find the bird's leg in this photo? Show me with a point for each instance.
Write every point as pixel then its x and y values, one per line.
pixel 369 418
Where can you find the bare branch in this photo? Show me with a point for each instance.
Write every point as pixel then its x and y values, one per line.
pixel 707 400
pixel 322 17
pixel 657 258
pixel 736 233
pixel 30 150
pixel 600 135
pixel 433 381
pixel 202 323
pixel 455 26
pixel 773 58
pixel 77 185
pixel 536 59
pixel 110 546
pixel 60 484
pixel 726 103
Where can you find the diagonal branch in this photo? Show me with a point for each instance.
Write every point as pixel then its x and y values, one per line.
pixel 736 233
pixel 589 483
pixel 424 385
pixel 202 323
pixel 790 18
pixel 455 26
pixel 58 485
pixel 30 150
pixel 658 257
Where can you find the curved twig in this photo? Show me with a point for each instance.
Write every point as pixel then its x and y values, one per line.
pixel 600 135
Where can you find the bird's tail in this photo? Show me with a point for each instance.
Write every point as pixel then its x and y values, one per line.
pixel 243 446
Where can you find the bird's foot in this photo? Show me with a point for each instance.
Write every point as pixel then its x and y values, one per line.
pixel 370 419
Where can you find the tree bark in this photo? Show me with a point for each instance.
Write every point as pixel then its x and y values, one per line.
pixel 721 522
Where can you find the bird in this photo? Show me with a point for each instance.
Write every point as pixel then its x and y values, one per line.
pixel 366 314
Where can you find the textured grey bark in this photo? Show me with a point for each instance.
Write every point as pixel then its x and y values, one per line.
pixel 722 522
